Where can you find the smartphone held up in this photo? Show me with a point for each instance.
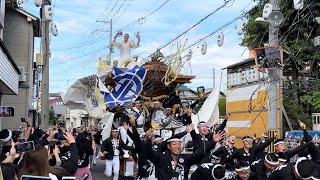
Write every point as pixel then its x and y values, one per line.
pixel 60 135
pixel 25 147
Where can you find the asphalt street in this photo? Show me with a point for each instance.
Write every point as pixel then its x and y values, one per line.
pixel 97 171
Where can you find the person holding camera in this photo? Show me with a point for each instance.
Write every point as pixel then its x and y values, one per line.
pixel 37 162
pixel 86 145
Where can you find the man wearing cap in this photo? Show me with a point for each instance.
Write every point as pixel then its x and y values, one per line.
pixel 171 164
pixel 303 169
pixel 112 149
pixel 247 153
pixel 263 167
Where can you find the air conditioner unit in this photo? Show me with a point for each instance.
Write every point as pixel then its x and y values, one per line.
pixel 22 76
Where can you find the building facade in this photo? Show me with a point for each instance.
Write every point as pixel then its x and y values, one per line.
pixel 9 71
pixel 69 118
pixel 247 100
pixel 19 34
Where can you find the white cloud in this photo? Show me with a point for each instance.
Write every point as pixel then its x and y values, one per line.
pixel 76 20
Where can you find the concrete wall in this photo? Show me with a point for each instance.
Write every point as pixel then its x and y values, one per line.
pixel 19 40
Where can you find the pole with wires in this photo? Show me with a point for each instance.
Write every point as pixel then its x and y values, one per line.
pixel 110 42
pixel 45 69
pixel 275 97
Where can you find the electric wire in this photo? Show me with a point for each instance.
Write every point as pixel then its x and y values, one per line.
pixel 201 20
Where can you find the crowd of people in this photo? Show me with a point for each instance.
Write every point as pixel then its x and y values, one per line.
pixel 60 152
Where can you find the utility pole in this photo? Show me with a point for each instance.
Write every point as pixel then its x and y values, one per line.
pixel 45 70
pixel 110 40
pixel 66 109
pixel 274 76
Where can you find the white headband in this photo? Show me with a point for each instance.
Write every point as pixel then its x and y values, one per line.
pixel 270 162
pixel 246 139
pixel 158 138
pixel 296 168
pixel 174 139
pixel 8 138
pixel 202 123
pixel 282 160
pixel 243 168
pixel 215 157
pixel 212 172
pixel 280 142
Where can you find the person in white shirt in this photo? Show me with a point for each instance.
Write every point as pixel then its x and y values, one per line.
pixel 125 47
pixel 112 149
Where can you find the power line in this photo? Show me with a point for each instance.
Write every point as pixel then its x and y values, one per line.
pixel 74 58
pixel 123 11
pixel 128 25
pixel 201 20
pixel 142 18
pixel 119 8
pixel 89 43
pixel 85 34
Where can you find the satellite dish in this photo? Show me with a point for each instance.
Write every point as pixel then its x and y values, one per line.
pixel 54 29
pixel 240 26
pixel 261 20
pixel 267 9
pixel 275 17
pixel 189 55
pixel 47 13
pixel 298 4
pixel 220 39
pixel 38 2
pixel 204 48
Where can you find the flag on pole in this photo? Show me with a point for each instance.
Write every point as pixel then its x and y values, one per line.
pixel 85 94
pixel 129 84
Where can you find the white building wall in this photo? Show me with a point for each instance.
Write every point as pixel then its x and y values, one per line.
pixel 75 118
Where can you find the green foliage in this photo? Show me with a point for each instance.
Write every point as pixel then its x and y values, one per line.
pixel 312 99
pixel 295 111
pixel 222 106
pixel 255 33
pixel 296 35
pixel 296 31
pixel 52 118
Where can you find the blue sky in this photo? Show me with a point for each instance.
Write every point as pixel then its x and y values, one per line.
pixel 82 40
